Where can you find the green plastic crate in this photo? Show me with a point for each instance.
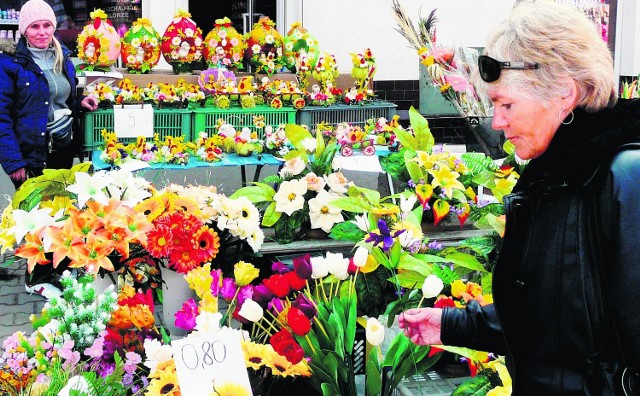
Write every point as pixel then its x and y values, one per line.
pixel 205 118
pixel 166 122
pixel 353 114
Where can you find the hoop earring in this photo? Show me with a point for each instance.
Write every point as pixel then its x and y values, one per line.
pixel 562 120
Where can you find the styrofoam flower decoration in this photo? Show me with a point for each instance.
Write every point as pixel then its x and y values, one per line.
pixel 98 43
pixel 263 47
pixel 182 42
pixel 297 42
pixel 141 47
pixel 326 70
pixel 224 46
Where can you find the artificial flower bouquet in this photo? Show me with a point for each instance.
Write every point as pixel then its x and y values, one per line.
pixel 172 150
pixel 446 185
pixel 449 69
pixel 206 148
pixel 363 70
pixel 278 93
pixel 298 44
pixel 275 141
pixel 306 185
pixel 73 219
pixel 382 131
pixel 244 142
pixel 352 137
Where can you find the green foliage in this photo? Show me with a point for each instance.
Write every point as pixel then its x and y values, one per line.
pixel 393 164
pixel 404 359
pixel 370 289
pixel 479 385
pixel 347 231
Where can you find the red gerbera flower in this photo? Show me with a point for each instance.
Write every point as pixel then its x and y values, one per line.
pixel 159 241
pixel 206 243
pixel 182 260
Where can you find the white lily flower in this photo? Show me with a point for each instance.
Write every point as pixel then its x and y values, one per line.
pixel 309 144
pixel 322 214
pixel 290 196
pixel 89 187
pixel 432 286
pixel 362 221
pixel 30 221
pixel 374 332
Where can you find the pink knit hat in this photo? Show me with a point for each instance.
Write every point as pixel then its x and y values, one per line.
pixel 35 10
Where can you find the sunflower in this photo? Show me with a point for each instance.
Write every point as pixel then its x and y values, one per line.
pixel 165 382
pixel 254 354
pixel 206 243
pixel 230 389
pixel 152 207
pixel 281 367
pixel 159 241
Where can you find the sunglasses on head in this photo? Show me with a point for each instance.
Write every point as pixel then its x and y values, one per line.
pixel 490 68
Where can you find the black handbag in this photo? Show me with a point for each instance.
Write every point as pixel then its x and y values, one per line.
pixel 605 375
pixel 61 132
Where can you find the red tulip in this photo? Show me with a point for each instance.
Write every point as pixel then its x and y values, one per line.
pixel 298 321
pixel 278 285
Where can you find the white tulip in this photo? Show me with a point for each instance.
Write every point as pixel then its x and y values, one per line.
pixel 374 332
pixel 432 286
pixel 251 310
pixel 360 256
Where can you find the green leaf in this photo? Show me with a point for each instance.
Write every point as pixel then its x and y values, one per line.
pixel 380 257
pixel 420 126
pixel 338 336
pixel 329 390
pixel 394 254
pixel 351 204
pixel 374 373
pixel 296 134
pixel 415 171
pixel 372 197
pixel 465 260
pixel 479 385
pixel 347 231
pixel 408 279
pixel 351 313
pixel 405 138
pixel 331 363
pixel 370 292
pixel 271 216
pixel 412 263
pixel 260 192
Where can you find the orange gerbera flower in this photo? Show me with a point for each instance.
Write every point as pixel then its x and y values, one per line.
pixel 206 243
pixel 152 207
pixel 183 260
pixel 184 204
pixel 32 250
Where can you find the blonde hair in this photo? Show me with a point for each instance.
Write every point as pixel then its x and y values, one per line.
pixel 566 45
pixel 58 64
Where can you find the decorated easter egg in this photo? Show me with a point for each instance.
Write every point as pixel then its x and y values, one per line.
pixel 182 41
pixel 224 46
pixel 297 42
pixel 264 47
pixel 141 47
pixel 98 43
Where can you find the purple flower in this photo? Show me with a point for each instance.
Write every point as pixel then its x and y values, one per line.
pixel 384 237
pixel 228 290
pixel 302 266
pixel 246 292
pixel 275 306
pixel 186 317
pixel 262 294
pixel 411 184
pixel 434 245
pixel 216 275
pixel 303 304
pixel 279 268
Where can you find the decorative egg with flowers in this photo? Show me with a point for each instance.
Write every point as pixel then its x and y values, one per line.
pixel 98 43
pixel 141 47
pixel 297 42
pixel 182 42
pixel 224 46
pixel 263 47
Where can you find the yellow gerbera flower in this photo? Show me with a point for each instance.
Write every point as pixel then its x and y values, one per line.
pixel 230 389
pixel 281 367
pixel 183 204
pixel 152 207
pixel 254 354
pixel 165 382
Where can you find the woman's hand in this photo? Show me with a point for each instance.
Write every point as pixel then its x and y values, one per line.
pixel 422 325
pixel 19 176
pixel 89 103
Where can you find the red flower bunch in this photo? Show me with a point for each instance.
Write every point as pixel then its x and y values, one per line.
pixel 184 240
pixel 284 344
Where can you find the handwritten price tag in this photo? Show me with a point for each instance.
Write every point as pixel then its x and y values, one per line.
pixel 206 361
pixel 133 120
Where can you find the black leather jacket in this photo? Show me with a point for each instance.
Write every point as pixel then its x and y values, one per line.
pixel 539 318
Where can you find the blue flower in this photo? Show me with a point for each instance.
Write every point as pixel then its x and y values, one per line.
pixel 384 237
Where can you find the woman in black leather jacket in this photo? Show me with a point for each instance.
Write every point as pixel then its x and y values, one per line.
pixel 566 286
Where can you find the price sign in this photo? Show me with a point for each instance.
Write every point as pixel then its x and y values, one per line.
pixel 131 121
pixel 203 362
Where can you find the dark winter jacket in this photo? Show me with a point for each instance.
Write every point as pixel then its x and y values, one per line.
pixel 539 316
pixel 24 96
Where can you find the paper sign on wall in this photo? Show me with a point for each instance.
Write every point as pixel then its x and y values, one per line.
pixel 133 120
pixel 203 362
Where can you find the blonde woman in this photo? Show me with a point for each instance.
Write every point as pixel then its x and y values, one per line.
pixel 566 286
pixel 38 98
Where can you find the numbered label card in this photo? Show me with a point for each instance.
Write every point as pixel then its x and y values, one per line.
pixel 132 121
pixel 203 362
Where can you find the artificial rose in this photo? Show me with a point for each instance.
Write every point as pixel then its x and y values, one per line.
pixel 278 285
pixel 337 182
pixel 314 183
pixel 432 286
pixel 374 332
pixel 292 167
pixel 251 311
pixel 298 321
pixel 293 352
